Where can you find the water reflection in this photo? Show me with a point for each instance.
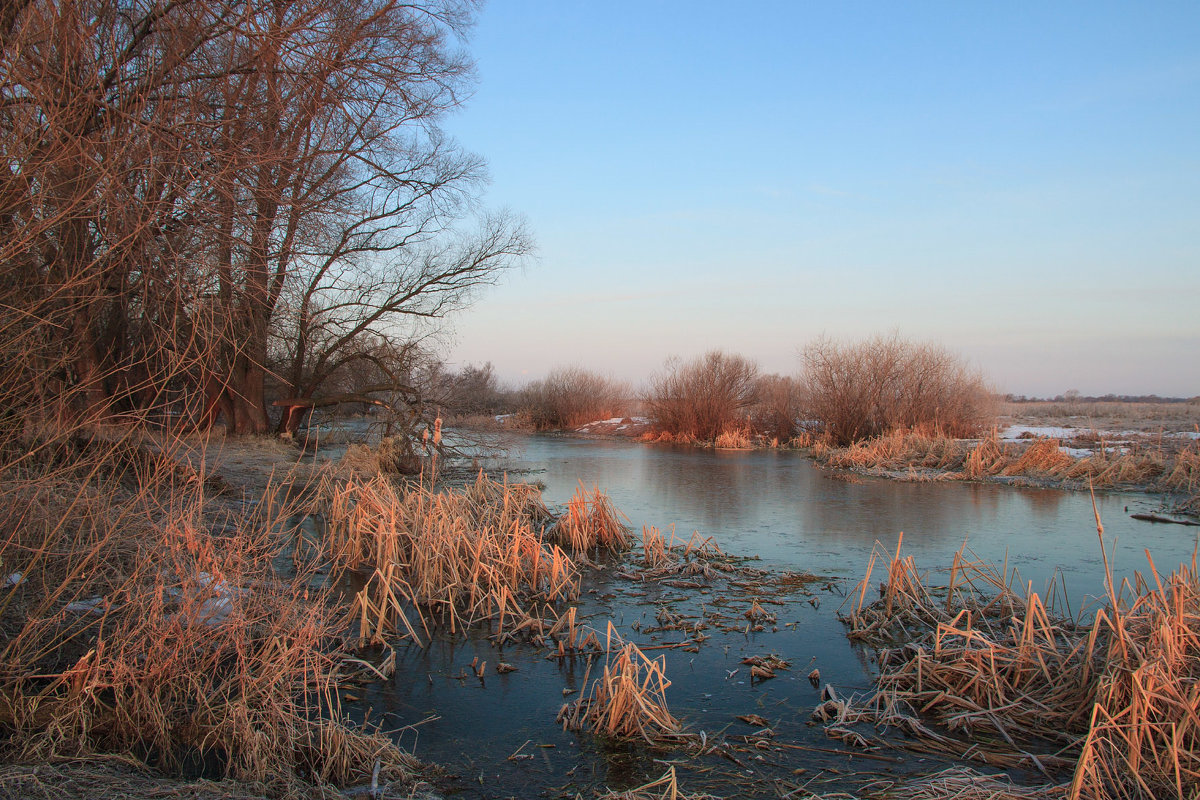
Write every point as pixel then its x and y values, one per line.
pixel 780 507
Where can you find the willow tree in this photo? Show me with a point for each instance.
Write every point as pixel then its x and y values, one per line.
pixel 189 183
pixel 345 215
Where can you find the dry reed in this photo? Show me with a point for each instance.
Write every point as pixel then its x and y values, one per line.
pixel 1113 700
pixel 734 438
pixel 1158 465
pixel 146 621
pixel 1041 457
pixel 452 556
pixel 900 449
pixel 591 522
pixel 628 700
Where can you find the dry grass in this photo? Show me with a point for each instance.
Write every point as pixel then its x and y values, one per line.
pixel 1113 700
pixel 734 439
pixel 146 623
pixel 1103 414
pixel 1157 465
pixel 455 557
pixel 628 701
pixel 590 523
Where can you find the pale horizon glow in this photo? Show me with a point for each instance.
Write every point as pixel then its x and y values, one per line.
pixel 1018 184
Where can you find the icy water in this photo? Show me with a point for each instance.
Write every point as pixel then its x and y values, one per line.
pixel 497 736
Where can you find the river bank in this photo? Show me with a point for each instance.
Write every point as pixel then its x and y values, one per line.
pixel 1152 448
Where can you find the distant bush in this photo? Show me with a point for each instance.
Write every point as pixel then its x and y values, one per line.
pixel 472 391
pixel 572 396
pixel 867 388
pixel 703 398
pixel 776 412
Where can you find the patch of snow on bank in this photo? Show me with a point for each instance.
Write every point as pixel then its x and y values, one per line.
pixel 1014 432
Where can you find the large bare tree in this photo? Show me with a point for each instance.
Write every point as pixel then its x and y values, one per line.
pixel 187 183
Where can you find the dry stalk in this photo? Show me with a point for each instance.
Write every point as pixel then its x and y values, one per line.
pixel 591 522
pixel 628 701
pixel 664 788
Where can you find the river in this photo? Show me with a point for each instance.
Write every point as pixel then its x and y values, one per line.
pixel 781 509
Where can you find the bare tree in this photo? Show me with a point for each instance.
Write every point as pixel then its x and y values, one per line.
pixel 349 197
pixel 181 175
pixel 345 305
pixel 776 412
pixel 97 123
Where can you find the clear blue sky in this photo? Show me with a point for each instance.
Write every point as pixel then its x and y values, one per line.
pixel 1018 182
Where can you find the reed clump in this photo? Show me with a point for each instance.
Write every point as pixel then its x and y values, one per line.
pixel 656 550
pixel 591 522
pixel 1183 478
pixel 1041 457
pixel 628 700
pixel 450 556
pixel 986 458
pixel 1112 700
pixel 900 449
pixel 668 437
pixel 664 556
pixel 734 438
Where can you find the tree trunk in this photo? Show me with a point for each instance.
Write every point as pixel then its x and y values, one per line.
pixel 293 417
pixel 246 393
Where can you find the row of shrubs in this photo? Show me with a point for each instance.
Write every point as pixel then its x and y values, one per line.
pixel 845 392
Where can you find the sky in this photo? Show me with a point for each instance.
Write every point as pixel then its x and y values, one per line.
pixel 1017 182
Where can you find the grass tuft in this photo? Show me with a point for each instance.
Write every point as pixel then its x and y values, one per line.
pixel 628 701
pixel 591 522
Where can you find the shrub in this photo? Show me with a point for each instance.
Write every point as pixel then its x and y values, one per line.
pixel 572 396
pixel 867 388
pixel 703 398
pixel 776 414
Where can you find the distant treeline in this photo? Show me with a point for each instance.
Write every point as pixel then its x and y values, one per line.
pixel 844 392
pixel 1075 397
